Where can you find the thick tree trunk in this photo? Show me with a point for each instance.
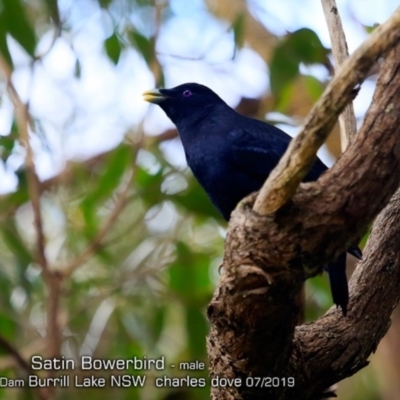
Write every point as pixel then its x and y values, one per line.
pixel 253 341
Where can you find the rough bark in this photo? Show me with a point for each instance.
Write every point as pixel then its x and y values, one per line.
pixel 253 313
pixel 334 348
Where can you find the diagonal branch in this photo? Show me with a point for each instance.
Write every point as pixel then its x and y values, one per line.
pixel 296 162
pixel 8 348
pixel 97 242
pixel 254 311
pixel 120 204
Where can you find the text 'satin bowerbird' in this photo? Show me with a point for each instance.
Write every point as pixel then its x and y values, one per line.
pixel 232 155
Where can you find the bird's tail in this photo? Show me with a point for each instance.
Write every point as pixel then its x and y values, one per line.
pixel 338 279
pixel 355 251
pixel 338 282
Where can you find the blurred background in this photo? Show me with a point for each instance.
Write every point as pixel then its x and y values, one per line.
pixel 125 256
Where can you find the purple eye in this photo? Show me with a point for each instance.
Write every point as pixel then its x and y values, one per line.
pixel 187 93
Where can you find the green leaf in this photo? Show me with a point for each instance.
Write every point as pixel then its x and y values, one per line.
pixel 300 46
pixel 3 41
pixel 8 329
pixel 317 290
pixel 77 69
pixel 158 322
pixel 9 203
pixel 22 255
pixel 6 146
pixel 108 179
pixel 52 8
pixel 104 3
pixel 197 329
pixel 17 24
pixel 189 277
pixel 306 47
pixel 365 238
pixel 284 98
pixel 14 242
pixel 314 87
pixel 149 186
pixel 370 28
pixel 238 30
pixel 283 70
pixel 144 46
pixel 160 81
pixel 113 48
pixel 111 172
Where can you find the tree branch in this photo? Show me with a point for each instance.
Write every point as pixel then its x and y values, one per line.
pixel 254 311
pixel 22 117
pixel 296 162
pixel 347 119
pixel 52 279
pixel 375 293
pixel 15 354
pixel 21 362
pixel 96 243
pixel 120 204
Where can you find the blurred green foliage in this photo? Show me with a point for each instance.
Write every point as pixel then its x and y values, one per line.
pixel 301 46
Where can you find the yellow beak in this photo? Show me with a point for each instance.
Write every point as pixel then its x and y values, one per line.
pixel 154 96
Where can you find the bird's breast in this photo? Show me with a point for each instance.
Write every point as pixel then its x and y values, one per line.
pixel 219 176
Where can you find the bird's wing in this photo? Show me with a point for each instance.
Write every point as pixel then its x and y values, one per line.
pixel 257 155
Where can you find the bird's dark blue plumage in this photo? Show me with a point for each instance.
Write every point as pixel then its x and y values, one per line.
pixel 232 155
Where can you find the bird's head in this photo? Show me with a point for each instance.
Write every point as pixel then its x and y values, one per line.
pixel 184 102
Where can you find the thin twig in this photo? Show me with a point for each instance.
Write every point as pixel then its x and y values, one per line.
pixel 55 15
pixel 22 117
pixel 52 279
pixel 96 243
pixel 347 119
pixel 298 159
pixel 155 65
pixel 10 349
pixel 120 204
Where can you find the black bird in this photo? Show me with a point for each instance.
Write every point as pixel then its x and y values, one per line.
pixel 232 155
